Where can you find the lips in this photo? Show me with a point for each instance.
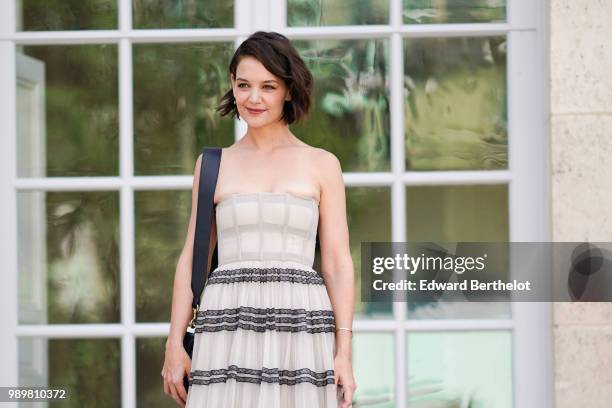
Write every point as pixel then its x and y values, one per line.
pixel 255 111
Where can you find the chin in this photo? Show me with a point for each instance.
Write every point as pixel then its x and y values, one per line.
pixel 256 122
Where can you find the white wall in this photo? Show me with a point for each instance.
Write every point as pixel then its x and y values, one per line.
pixel 581 137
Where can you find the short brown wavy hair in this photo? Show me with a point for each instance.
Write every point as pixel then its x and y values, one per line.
pixel 280 57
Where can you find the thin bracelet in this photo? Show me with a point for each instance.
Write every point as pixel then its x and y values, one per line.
pixel 344 328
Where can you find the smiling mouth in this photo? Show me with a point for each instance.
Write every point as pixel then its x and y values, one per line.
pixel 256 110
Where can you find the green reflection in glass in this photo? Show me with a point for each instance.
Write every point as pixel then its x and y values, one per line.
pixel 182 14
pixel 150 354
pixel 350 111
pixel 68 246
pixel 454 369
pixel 469 213
pixel 90 369
pixel 375 376
pixel 455 103
pixel 302 13
pixel 82 117
pixel 161 221
pixel 457 213
pixel 369 219
pixel 453 11
pixel 176 90
pixel 42 15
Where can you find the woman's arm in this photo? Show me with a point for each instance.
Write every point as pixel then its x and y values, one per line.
pixel 336 261
pixel 182 296
pixel 176 361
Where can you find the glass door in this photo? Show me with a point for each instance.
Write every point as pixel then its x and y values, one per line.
pixel 434 108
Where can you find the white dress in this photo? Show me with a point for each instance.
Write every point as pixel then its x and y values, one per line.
pixel 265 332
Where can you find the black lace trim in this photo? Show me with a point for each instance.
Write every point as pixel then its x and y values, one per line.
pixel 262 319
pixel 268 375
pixel 264 274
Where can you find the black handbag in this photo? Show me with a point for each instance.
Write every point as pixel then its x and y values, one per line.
pixel 209 170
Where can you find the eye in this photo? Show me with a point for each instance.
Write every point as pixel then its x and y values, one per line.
pixel 265 86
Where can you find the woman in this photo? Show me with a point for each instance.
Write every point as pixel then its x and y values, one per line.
pixel 273 332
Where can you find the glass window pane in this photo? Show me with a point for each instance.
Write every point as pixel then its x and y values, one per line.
pixel 176 90
pixel 457 213
pixel 68 257
pixel 302 13
pixel 161 221
pixel 459 369
pixel 90 368
pixel 474 213
pixel 150 353
pixel 42 15
pixel 375 377
pixel 68 124
pixel 182 14
pixel 368 212
pixel 454 11
pixel 350 111
pixel 455 103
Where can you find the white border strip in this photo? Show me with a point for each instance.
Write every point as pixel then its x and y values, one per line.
pixel 398 190
pixel 183 182
pixel 115 330
pixel 230 34
pixel 8 216
pixel 126 225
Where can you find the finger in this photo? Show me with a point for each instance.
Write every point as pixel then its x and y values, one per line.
pixel 181 391
pixel 175 394
pixel 348 396
pixel 166 387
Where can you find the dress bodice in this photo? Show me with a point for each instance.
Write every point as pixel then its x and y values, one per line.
pixel 267 226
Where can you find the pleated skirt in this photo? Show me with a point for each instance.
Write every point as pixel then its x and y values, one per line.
pixel 265 338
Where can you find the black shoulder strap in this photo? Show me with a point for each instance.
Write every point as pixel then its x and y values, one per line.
pixel 209 170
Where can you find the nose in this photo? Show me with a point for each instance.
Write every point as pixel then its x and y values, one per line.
pixel 254 96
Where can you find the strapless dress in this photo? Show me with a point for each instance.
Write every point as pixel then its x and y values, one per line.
pixel 265 331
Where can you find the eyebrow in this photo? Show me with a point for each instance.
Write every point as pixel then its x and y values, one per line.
pixel 268 80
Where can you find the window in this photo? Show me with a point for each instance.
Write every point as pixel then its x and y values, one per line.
pixel 434 109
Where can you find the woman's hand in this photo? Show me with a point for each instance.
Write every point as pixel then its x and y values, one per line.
pixel 177 364
pixel 343 373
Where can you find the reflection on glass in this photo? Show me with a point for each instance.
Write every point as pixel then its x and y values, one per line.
pixel 176 90
pixel 161 220
pixel 89 369
pixel 455 103
pixel 454 369
pixel 68 257
pixel 31 117
pixel 178 14
pixel 149 384
pixel 350 111
pixel 42 15
pixel 375 376
pixel 454 11
pixel 473 213
pixel 68 122
pixel 337 12
pixel 369 219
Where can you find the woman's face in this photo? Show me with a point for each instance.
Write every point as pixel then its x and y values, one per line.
pixel 257 88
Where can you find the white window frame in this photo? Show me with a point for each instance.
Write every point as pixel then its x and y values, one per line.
pixel 528 178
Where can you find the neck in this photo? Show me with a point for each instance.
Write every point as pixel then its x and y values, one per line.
pixel 267 138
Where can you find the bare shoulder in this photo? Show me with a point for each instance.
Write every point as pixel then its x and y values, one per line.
pixel 325 162
pixel 198 164
pixel 328 171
